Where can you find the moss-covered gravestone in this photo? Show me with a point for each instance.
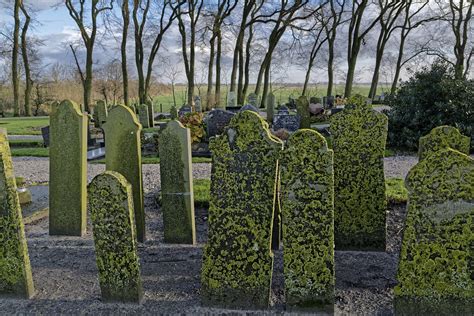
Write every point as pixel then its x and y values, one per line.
pixel 359 137
pixel 100 113
pixel 302 108
pixel 143 115
pixel 123 155
pixel 15 269
pixel 237 260
pixel 307 185
pixel 270 107
pixel 177 184
pixel 435 273
pixel 113 223
pixel 151 114
pixel 68 170
pixel 443 137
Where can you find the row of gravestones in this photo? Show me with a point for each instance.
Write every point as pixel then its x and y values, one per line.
pixel 145 114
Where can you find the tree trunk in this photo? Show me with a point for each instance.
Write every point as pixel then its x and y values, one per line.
pixel 217 100
pixel 330 68
pixel 123 48
pixel 15 76
pixel 247 61
pixel 210 73
pixel 307 76
pixel 26 62
pixel 240 95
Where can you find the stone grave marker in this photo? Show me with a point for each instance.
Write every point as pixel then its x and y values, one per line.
pixel 197 104
pixel 143 115
pixel 115 240
pixel 177 184
pixel 442 137
pixel 151 113
pixel 252 99
pixel 237 260
pixel 173 113
pixel 286 121
pixel 68 170
pixel 283 110
pixel 270 107
pixel 359 136
pixel 302 107
pixel 185 109
pixel 231 99
pixel 15 270
pixel 436 258
pixel 249 107
pixel 307 188
pixel 216 121
pixel 100 113
pixel 123 155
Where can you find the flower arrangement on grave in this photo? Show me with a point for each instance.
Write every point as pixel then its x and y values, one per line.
pixel 194 121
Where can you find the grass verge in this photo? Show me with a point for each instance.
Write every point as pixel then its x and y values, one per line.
pixel 24 125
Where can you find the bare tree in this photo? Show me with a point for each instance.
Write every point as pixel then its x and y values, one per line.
pixel 15 52
pixel 26 62
pixel 123 49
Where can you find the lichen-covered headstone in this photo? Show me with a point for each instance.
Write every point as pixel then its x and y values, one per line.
pixel 15 269
pixel 100 113
pixel 112 216
pixel 302 107
pixel 270 107
pixel 68 170
pixel 177 184
pixel 435 273
pixel 151 114
pixel 237 260
pixel 231 99
pixel 359 137
pixel 143 115
pixel 252 99
pixel 123 155
pixel 307 187
pixel 443 137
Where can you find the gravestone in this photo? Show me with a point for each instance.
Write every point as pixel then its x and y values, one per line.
pixel 442 137
pixel 330 101
pixel 231 99
pixel 143 115
pixel 270 107
pixel 151 114
pixel 115 240
pixel 216 121
pixel 359 136
pixel 15 269
pixel 249 107
pixel 302 107
pixel 123 155
pixel 45 134
pixel 237 260
pixel 197 104
pixel 177 184
pixel 435 270
pixel 283 110
pixel 185 109
pixel 173 113
pixel 68 170
pixel 252 99
pixel 100 114
pixel 307 187
pixel 286 121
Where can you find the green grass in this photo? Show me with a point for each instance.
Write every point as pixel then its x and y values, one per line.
pixel 25 143
pixel 202 192
pixel 30 152
pixel 396 191
pixel 24 125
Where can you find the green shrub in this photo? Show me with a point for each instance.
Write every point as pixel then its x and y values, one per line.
pixel 432 97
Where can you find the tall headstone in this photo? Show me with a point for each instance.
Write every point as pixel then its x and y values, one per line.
pixel 177 184
pixel 151 113
pixel 68 170
pixel 123 155
pixel 143 115
pixel 231 99
pixel 197 104
pixel 307 187
pixel 302 107
pixel 359 137
pixel 237 260
pixel 442 137
pixel 252 99
pixel 173 112
pixel 270 107
pixel 100 113
pixel 112 216
pixel 435 273
pixel 15 269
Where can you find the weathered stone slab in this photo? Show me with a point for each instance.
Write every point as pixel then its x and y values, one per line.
pixel 185 109
pixel 252 99
pixel 68 170
pixel 143 115
pixel 237 260
pixel 100 114
pixel 359 138
pixel 123 155
pixel 443 137
pixel 286 121
pixel 177 184
pixel 307 186
pixel 15 269
pixel 151 114
pixel 216 121
pixel 111 209
pixel 302 107
pixel 435 269
pixel 197 104
pixel 231 99
pixel 270 107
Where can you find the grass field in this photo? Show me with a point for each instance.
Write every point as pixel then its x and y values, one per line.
pixel 24 125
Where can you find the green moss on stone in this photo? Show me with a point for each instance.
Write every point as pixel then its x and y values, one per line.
pixel 237 260
pixel 177 184
pixel 443 137
pixel 435 272
pixel 15 270
pixel 307 186
pixel 123 155
pixel 359 137
pixel 302 108
pixel 68 170
pixel 112 216
pixel 143 115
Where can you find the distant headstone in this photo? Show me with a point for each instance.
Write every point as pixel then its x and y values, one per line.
pixel 443 137
pixel 173 112
pixel 231 99
pixel 270 107
pixel 151 113
pixel 185 109
pixel 197 104
pixel 237 260
pixel 112 216
pixel 177 184
pixel 143 115
pixel 330 101
pixel 45 134
pixel 307 186
pixel 68 171
pixel 359 136
pixel 302 107
pixel 123 155
pixel 283 110
pixel 216 121
pixel 100 113
pixel 286 121
pixel 435 273
pixel 252 99
pixel 249 107
pixel 15 269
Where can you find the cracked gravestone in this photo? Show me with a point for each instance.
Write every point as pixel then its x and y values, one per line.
pixel 115 240
pixel 123 155
pixel 359 136
pixel 177 201
pixel 435 268
pixel 442 137
pixel 68 170
pixel 143 115
pixel 307 186
pixel 15 270
pixel 237 260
